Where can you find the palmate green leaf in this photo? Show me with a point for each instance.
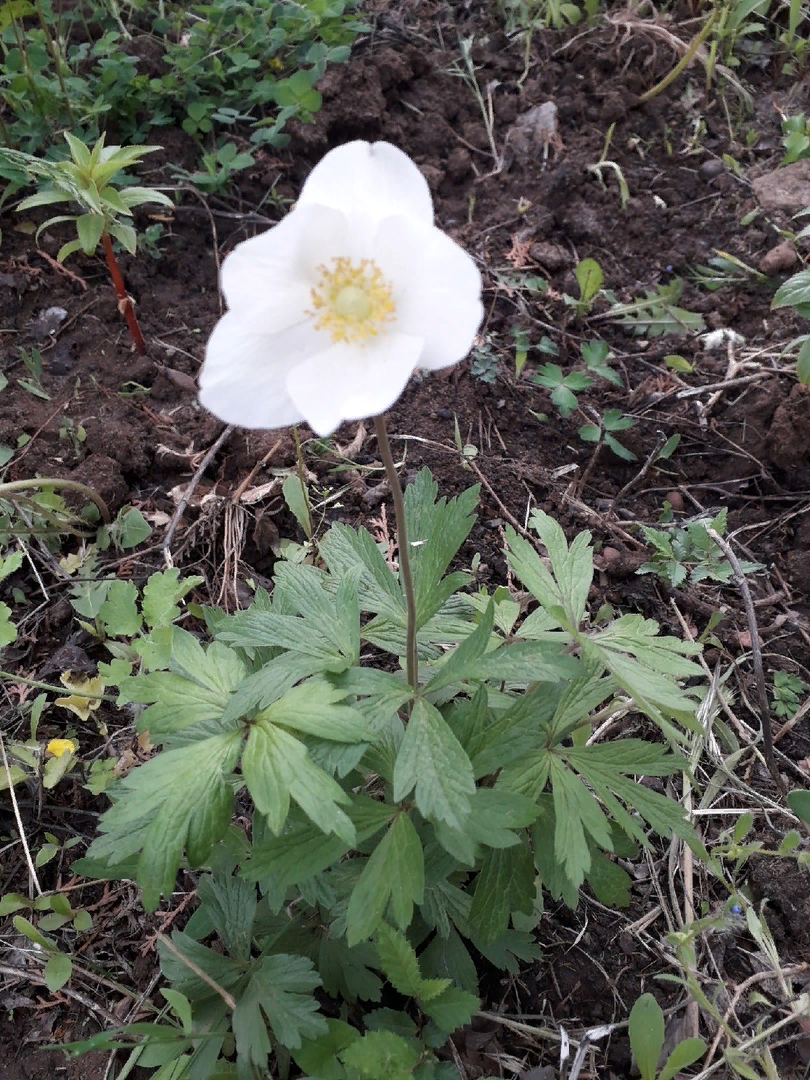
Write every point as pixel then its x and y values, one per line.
pixel 279 993
pixel 224 970
pixel 230 909
pixel 436 530
pixel 273 679
pixel 303 850
pixel 316 707
pixel 119 612
pixel 378 694
pixel 452 1009
pixel 216 667
pixel 276 767
pixel 519 662
pixel 505 884
pixel 572 567
pixel 528 662
pixel 178 701
pixel 162 594
pixel 495 814
pixel 268 628
pixel 579 698
pixel 610 884
pixel 197 690
pixel 647 666
pixel 344 549
pixel 346 972
pixel 462 662
pixel 305 617
pixel 608 768
pixel 576 812
pixel 335 613
pixel 394 871
pixel 317 1057
pixel 639 636
pixel 178 800
pixel 451 624
pixel 400 965
pixel 432 761
pixel 515 734
pixel 449 957
pixel 529 568
pixel 381 1054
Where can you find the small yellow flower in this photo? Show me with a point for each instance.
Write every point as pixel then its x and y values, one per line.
pixel 79 686
pixel 57 747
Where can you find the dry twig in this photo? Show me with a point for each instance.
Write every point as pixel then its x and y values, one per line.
pixel 756 655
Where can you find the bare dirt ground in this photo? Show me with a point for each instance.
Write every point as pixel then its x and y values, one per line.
pixel 744 443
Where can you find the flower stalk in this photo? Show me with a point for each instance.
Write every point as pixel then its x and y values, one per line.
pixel 411 654
pixel 125 304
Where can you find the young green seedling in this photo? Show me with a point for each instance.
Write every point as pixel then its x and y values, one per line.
pixel 87 179
pixel 612 421
pixel 647 1039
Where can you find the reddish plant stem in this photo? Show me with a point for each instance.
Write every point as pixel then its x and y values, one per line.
pixel 125 305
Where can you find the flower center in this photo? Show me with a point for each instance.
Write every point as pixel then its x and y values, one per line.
pixel 351 301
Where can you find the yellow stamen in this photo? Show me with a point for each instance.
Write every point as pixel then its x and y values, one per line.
pixel 352 301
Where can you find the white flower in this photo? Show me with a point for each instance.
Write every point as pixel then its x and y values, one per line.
pixel 331 310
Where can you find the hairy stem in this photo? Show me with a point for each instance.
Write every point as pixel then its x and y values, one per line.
pixel 58 482
pixel 411 654
pixel 125 305
pixel 10 676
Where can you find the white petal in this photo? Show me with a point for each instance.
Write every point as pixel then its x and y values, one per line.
pixel 348 382
pixel 369 180
pixel 436 288
pixel 273 273
pixel 243 380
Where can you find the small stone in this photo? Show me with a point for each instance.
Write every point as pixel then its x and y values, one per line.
pixel 610 554
pixel 47 322
pixel 779 259
pixel 712 167
pixel 675 500
pixel 529 138
pixel 785 188
pixel 551 256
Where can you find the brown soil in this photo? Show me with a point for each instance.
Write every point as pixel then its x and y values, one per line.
pixel 748 451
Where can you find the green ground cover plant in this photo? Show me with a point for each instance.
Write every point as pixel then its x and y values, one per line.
pixel 381 851
pixel 90 66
